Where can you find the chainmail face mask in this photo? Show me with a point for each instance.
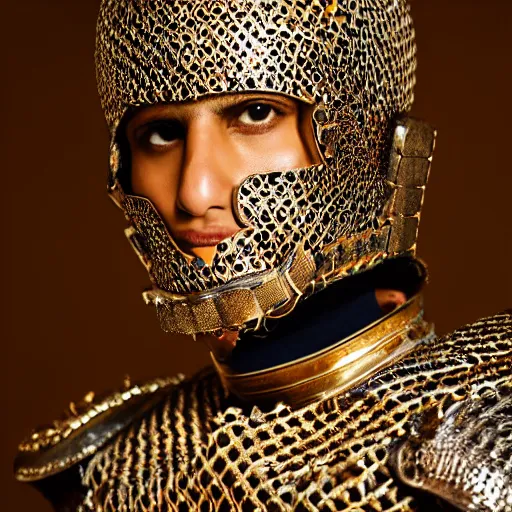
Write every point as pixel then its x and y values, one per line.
pixel 354 62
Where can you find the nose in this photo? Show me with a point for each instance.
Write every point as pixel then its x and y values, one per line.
pixel 205 182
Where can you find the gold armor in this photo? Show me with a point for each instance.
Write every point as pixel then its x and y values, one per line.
pixel 367 424
pixel 354 63
pixel 191 445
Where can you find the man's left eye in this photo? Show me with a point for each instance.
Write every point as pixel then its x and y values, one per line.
pixel 259 113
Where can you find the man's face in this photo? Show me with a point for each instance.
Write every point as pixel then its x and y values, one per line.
pixel 188 158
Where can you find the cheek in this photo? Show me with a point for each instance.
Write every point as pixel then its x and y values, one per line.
pixel 281 149
pixel 155 179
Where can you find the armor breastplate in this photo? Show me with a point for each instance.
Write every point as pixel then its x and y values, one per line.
pixel 197 448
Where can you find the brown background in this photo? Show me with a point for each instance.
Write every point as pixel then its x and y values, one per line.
pixel 74 320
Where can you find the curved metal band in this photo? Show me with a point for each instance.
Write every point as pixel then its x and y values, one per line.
pixel 335 368
pixel 230 307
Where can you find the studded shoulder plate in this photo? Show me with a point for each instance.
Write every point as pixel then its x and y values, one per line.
pixel 86 427
pixel 198 450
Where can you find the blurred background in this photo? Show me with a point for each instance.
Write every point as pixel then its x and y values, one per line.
pixel 73 319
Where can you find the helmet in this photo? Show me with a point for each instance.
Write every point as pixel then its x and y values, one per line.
pixel 353 61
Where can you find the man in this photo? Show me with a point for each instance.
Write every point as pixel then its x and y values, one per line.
pixel 273 188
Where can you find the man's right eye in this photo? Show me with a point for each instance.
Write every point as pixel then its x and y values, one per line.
pixel 162 134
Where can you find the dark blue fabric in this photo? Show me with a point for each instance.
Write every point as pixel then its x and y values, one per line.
pixel 317 323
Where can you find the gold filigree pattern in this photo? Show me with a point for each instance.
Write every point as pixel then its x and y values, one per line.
pixel 354 61
pixel 197 450
pixel 466 456
pixel 46 451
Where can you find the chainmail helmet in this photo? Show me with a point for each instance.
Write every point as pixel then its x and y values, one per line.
pixel 353 61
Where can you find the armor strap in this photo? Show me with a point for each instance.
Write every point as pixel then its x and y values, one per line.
pixel 409 167
pixel 269 294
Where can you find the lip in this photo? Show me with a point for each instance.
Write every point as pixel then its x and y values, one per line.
pixel 192 238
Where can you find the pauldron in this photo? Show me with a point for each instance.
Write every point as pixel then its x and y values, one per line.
pixel 438 419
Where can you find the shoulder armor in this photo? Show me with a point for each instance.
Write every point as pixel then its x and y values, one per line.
pixel 464 454
pixel 485 338
pixel 466 458
pixel 86 427
pixel 482 351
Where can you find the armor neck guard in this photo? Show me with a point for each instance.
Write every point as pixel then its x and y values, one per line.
pixel 338 367
pixel 298 335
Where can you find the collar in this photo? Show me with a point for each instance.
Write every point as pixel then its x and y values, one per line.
pixel 336 368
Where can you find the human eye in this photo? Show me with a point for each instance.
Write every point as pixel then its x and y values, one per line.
pixel 161 134
pixel 257 114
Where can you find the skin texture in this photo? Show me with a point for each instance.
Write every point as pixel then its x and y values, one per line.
pixel 188 158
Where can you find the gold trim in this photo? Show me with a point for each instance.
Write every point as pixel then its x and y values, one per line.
pixel 336 368
pixel 87 427
pixel 235 305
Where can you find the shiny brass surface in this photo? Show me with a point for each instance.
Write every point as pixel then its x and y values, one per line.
pixel 84 428
pixel 336 368
pixel 349 212
pixel 236 306
pixel 195 447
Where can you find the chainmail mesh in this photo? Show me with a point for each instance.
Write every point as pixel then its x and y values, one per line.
pixel 198 450
pixel 477 431
pixel 353 60
pixel 160 51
